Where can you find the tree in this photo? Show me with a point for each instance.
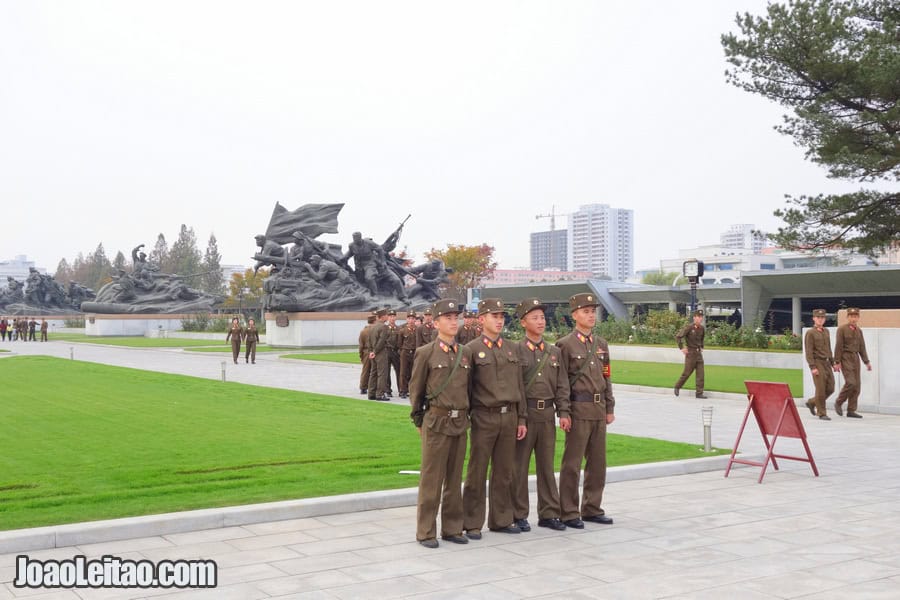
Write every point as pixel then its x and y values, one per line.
pixel 119 262
pixel 185 257
pixel 159 256
pixel 213 281
pixel 97 268
pixel 249 281
pixel 665 278
pixel 63 272
pixel 470 264
pixel 836 65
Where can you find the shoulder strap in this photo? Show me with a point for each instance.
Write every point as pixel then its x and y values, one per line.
pixel 532 374
pixel 584 365
pixel 446 382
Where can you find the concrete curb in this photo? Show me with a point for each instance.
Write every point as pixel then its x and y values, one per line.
pixel 74 534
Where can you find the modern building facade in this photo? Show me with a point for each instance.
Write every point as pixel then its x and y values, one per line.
pixel 519 276
pixel 744 237
pixel 17 268
pixel 601 241
pixel 549 250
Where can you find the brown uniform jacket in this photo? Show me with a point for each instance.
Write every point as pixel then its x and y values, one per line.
pixel 431 368
pixel 251 335
pixel 407 338
pixel 549 384
pixel 497 376
pixel 849 342
pixel 691 336
pixel 425 333
pixel 593 380
pixel 378 337
pixel 364 342
pixel 466 334
pixel 393 334
pixel 818 347
pixel 235 334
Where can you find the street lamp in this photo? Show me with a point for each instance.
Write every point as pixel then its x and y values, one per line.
pixel 693 270
pixel 707 412
pixel 241 292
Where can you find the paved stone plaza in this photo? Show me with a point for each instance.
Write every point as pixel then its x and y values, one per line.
pixel 694 535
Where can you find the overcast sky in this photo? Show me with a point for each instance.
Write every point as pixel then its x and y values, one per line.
pixel 121 120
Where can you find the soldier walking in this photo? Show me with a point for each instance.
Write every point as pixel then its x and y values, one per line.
pixel 439 395
pixel 849 347
pixel 586 359
pixel 498 414
pixel 251 337
pixel 547 395
pixel 821 362
pixel 692 335
pixel 235 333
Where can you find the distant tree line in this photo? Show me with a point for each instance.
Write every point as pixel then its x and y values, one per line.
pixel 183 258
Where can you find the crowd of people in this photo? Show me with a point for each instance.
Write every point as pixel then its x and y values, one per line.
pixel 22 329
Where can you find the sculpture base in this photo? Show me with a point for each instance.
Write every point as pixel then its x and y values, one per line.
pixel 314 329
pixel 132 325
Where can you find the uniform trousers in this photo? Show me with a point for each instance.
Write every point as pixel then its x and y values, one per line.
pixel 378 377
pixel 850 368
pixel 439 484
pixel 693 361
pixel 43 336
pixel 235 348
pixel 366 371
pixel 824 383
pixel 586 439
pixel 251 351
pixel 540 439
pixel 494 443
pixel 394 359
pixel 406 363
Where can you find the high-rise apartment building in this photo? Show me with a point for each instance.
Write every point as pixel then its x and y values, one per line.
pixel 601 240
pixel 549 250
pixel 743 236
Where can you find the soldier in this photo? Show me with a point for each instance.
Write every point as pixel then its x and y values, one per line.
pixel 439 395
pixel 468 331
pixel 3 327
pixel 32 325
pixel 378 357
pixel 393 346
pixel 365 266
pixel 547 395
pixel 849 347
pixel 586 359
pixel 692 335
pixel 425 332
pixel 498 413
pixel 44 327
pixel 407 343
pixel 251 338
pixel 821 362
pixel 364 350
pixel 235 333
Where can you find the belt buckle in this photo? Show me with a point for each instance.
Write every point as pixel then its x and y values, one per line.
pixel 540 405
pixel 504 409
pixel 453 413
pixel 597 399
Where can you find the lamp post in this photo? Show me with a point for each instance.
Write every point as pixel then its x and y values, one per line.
pixel 241 292
pixel 707 412
pixel 693 270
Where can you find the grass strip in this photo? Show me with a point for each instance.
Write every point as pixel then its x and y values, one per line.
pixel 82 441
pixel 136 342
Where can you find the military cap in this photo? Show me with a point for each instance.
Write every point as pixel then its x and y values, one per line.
pixel 370 319
pixel 427 311
pixel 470 314
pixel 698 312
pixel 490 305
pixel 381 312
pixel 527 305
pixel 445 307
pixel 819 312
pixel 392 313
pixel 852 311
pixel 411 314
pixel 583 300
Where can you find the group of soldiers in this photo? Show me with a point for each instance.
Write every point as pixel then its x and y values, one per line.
pixel 22 329
pixel 510 394
pixel 249 335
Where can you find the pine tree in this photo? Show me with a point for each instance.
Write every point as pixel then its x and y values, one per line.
pixel 213 280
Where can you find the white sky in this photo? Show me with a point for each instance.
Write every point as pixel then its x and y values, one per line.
pixel 120 120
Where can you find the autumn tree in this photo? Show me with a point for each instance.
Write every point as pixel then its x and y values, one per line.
pixel 246 288
pixel 469 264
pixel 63 272
pixel 836 66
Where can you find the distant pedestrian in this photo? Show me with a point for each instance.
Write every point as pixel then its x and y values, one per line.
pixel 692 336
pixel 821 362
pixel 32 326
pixel 235 333
pixel 849 347
pixel 4 325
pixel 44 328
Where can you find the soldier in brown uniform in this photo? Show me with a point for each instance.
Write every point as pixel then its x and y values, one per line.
pixel 498 413
pixel 425 332
pixel 849 347
pixel 820 361
pixel 364 355
pixel 468 331
pixel 44 328
pixel 586 358
pixel 691 335
pixel 393 348
pixel 407 343
pixel 235 333
pixel 439 394
pixel 251 338
pixel 547 394
pixel 378 357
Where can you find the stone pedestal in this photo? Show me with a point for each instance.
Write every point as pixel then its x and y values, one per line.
pixel 314 329
pixel 132 325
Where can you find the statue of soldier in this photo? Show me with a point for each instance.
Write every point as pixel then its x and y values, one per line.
pixel 364 252
pixel 327 272
pixel 386 278
pixel 14 291
pixel 429 276
pixel 34 288
pixel 269 253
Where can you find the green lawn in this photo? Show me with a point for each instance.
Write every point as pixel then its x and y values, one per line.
pixel 227 348
pixel 82 441
pixel 135 342
pixel 652 374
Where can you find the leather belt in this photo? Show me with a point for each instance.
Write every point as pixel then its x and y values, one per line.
pixel 585 397
pixel 444 412
pixel 538 404
pixel 493 409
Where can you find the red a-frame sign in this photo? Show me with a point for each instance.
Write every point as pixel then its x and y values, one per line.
pixel 777 416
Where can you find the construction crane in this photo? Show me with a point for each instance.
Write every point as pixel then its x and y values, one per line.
pixel 552 216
